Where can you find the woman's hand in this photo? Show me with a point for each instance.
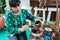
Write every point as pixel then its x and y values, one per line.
pixel 24 28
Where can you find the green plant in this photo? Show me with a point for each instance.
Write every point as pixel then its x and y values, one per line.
pixel 1 3
pixel 2 6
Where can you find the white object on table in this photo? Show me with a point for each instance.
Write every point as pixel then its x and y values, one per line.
pixel 48 29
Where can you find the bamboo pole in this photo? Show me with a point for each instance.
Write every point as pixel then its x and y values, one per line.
pixel 57 15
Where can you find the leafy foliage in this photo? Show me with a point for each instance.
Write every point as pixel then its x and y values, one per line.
pixel 2 6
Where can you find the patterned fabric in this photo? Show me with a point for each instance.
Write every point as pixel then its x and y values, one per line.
pixel 14 22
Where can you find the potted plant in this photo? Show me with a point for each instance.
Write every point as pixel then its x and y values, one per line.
pixel 2 21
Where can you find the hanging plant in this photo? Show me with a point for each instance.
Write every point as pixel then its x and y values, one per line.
pixel 1 3
pixel 2 6
pixel 2 21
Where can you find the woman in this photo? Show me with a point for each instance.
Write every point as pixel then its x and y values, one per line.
pixel 16 21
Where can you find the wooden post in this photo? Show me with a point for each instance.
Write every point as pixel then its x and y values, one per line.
pixel 59 18
pixel 57 15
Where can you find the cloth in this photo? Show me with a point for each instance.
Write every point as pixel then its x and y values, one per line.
pixel 18 37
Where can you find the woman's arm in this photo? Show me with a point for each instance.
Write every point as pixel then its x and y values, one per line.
pixel 10 25
pixel 30 16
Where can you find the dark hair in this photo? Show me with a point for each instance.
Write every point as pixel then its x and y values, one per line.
pixel 14 3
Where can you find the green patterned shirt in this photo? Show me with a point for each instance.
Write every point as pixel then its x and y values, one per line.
pixel 14 22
